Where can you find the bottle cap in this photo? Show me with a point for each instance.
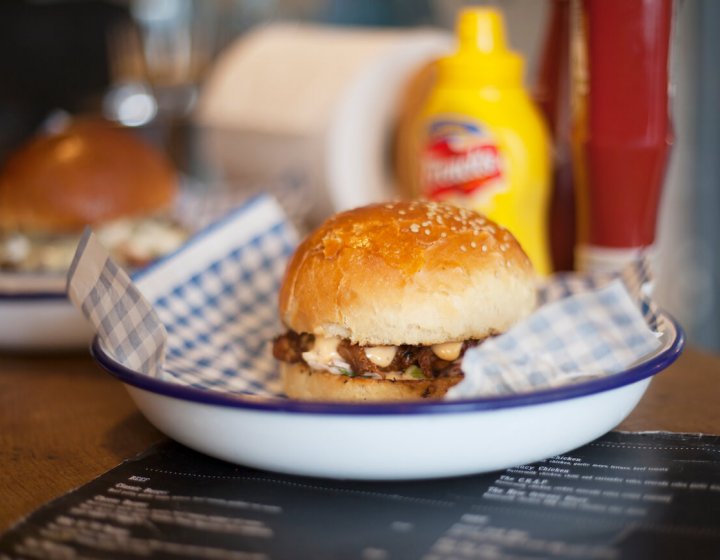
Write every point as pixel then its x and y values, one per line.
pixel 483 57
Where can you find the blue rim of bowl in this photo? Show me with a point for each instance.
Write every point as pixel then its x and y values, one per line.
pixel 655 364
pixel 33 296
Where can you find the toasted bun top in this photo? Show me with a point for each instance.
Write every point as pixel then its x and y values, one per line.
pixel 407 273
pixel 90 172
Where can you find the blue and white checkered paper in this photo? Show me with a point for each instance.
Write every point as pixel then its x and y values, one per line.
pixel 205 316
pixel 215 300
pixel 580 336
pixel 122 317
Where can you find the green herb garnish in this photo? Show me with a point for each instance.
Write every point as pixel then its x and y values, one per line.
pixel 415 372
pixel 348 372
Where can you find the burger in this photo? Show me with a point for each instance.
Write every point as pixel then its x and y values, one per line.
pixel 91 172
pixel 381 302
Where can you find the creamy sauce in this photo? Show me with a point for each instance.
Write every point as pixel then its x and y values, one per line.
pixel 381 356
pixel 326 348
pixel 449 351
pixel 324 355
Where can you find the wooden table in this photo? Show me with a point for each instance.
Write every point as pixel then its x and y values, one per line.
pixel 63 421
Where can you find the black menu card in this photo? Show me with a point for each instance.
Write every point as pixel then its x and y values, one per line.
pixel 625 495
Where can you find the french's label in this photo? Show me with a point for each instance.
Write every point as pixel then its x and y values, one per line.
pixel 461 160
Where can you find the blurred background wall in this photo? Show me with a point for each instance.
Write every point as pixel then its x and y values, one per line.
pixel 68 55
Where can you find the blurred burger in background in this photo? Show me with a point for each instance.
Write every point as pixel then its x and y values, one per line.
pixel 88 172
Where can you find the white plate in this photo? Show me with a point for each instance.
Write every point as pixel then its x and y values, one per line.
pixel 393 441
pixel 35 314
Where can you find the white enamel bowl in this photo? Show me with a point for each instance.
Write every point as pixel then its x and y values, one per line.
pixel 393 441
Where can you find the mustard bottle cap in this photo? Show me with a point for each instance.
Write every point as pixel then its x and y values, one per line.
pixel 483 57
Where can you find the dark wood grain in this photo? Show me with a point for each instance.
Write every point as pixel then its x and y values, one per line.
pixel 683 398
pixel 63 421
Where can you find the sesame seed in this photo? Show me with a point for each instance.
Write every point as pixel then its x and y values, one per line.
pixel 473 244
pixel 414 228
pixel 484 248
pixel 463 248
pixel 401 212
pixel 443 234
pixel 427 232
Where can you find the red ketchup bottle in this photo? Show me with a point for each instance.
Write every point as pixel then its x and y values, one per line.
pixel 621 127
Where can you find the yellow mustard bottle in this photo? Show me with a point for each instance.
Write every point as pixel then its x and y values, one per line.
pixel 479 141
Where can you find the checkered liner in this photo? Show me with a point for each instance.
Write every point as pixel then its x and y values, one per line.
pixel 636 277
pixel 213 306
pixel 221 314
pixel 586 327
pixel 216 298
pixel 124 320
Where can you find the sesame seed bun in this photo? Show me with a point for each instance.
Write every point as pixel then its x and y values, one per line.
pixel 89 173
pixel 417 273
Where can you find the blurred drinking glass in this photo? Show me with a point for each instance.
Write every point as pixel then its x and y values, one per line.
pixel 158 62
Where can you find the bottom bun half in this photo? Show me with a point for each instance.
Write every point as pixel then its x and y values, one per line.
pixel 302 382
